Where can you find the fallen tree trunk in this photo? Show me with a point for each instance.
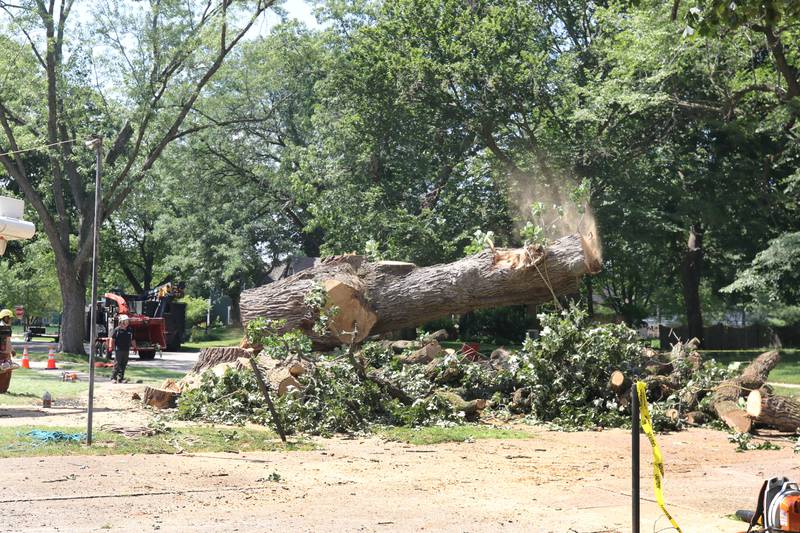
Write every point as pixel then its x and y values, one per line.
pixel 388 295
pixel 778 412
pixel 727 394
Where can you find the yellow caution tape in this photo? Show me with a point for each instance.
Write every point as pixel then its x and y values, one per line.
pixel 658 460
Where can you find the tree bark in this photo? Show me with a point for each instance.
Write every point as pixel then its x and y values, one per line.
pixel 691 274
pixel 727 394
pixel 73 297
pixel 388 295
pixel 235 294
pixel 210 357
pixel 778 412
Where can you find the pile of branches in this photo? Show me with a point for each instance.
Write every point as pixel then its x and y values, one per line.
pixel 576 375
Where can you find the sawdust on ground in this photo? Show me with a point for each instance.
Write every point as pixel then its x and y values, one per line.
pixel 553 481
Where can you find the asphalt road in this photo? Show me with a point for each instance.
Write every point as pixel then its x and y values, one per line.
pixel 178 361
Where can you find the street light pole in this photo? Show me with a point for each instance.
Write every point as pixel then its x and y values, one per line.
pixel 97 146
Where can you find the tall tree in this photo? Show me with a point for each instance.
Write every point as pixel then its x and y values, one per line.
pixel 154 65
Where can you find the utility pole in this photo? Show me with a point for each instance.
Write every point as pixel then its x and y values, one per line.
pixel 96 145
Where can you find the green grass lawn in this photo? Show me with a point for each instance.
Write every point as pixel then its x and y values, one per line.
pixel 15 443
pixel 79 363
pixel 27 387
pixel 436 435
pixel 786 391
pixel 221 337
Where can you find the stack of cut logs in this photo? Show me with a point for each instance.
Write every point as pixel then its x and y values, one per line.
pixel 763 408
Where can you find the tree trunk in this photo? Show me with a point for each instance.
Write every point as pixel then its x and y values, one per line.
pixel 235 294
pixel 727 393
pixel 210 357
pixel 389 295
pixel 691 273
pixel 73 297
pixel 778 412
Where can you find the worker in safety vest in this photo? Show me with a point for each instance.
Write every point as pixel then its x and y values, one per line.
pixel 6 350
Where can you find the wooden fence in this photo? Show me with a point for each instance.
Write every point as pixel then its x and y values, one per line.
pixel 719 337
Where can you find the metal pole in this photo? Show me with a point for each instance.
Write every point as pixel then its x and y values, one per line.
pixel 635 519
pixel 97 144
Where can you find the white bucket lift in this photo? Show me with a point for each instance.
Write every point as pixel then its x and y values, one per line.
pixel 12 227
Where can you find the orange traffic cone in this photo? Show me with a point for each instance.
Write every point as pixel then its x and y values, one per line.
pixel 51 360
pixel 26 361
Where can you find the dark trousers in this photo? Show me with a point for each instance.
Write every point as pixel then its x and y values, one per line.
pixel 120 362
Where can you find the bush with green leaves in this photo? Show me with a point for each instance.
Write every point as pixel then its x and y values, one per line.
pixel 232 398
pixel 196 309
pixel 568 366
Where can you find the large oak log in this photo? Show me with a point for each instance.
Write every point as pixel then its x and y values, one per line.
pixel 777 412
pixel 388 295
pixel 727 394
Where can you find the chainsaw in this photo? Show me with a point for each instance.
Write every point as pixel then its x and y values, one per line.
pixel 777 509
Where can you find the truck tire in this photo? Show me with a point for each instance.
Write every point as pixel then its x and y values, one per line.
pixel 147 355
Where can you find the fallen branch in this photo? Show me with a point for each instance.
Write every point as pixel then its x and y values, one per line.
pixel 726 395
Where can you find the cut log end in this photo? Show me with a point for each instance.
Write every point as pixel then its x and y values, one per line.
pixel 618 382
pixel 354 313
pixel 592 254
pixel 754 404
pixel 282 381
pixel 734 417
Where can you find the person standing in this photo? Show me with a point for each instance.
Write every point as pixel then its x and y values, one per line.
pixel 121 341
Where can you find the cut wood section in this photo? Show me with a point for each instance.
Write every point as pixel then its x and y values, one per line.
pixel 213 356
pixel 160 398
pixel 696 418
pixel 297 369
pixel 777 412
pixel 618 382
pixel 281 380
pixel 388 296
pixel 424 355
pixel 354 318
pixel 727 394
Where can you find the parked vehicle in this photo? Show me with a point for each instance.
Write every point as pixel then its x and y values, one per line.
pixel 157 322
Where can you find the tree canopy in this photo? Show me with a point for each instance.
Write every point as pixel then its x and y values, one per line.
pixel 411 130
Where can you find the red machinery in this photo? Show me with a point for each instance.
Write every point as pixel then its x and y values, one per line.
pixel 149 333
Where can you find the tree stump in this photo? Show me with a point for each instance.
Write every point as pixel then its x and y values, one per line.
pixel 213 356
pixel 160 398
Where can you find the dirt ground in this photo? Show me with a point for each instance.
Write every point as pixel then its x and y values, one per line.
pixel 553 481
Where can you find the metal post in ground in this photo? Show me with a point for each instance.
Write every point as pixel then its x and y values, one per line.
pixel 635 519
pixel 97 146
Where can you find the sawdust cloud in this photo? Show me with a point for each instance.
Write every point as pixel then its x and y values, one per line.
pixel 555 194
